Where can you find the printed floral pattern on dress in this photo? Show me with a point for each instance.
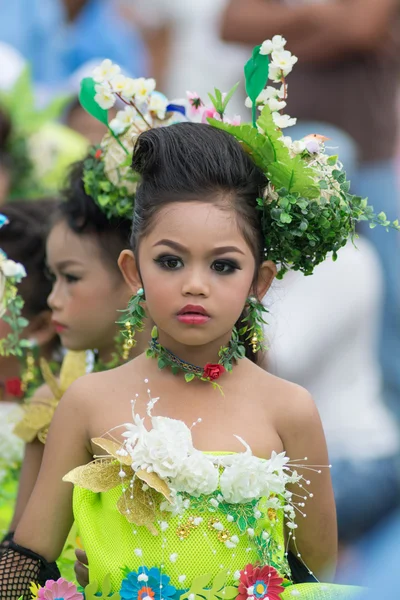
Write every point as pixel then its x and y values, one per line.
pixel 259 583
pixel 147 584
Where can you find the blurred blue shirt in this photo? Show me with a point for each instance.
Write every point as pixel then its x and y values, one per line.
pixel 56 48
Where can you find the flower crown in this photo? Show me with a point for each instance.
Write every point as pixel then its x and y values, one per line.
pixel 11 304
pixel 307 208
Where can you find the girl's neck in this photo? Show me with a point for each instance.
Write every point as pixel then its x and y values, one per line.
pixel 195 355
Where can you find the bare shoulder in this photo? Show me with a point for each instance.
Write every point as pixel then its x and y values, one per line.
pixel 294 403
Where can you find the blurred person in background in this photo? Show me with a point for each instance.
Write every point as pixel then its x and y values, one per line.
pixel 345 87
pixel 58 36
pixel 322 333
pixel 23 239
pixel 185 47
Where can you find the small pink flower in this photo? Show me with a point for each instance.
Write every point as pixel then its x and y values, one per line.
pixel 210 113
pixel 195 102
pixel 59 590
pixel 235 121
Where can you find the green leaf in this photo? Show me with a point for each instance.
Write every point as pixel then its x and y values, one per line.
pixel 219 581
pixel 255 144
pixel 229 96
pixel 154 332
pixel 189 377
pixel 294 176
pixel 229 592
pixel 332 160
pixel 86 98
pixel 199 583
pixel 256 73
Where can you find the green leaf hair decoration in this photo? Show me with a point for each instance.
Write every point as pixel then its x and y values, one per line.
pixel 256 73
pixel 86 98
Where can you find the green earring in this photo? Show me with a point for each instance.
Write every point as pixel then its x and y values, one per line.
pixel 132 321
pixel 253 328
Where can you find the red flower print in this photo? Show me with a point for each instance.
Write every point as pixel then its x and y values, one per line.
pixel 259 583
pixel 213 372
pixel 13 387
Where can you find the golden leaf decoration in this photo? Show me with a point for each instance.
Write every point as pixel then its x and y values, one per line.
pixel 139 507
pixel 156 483
pixel 74 366
pixel 100 475
pixel 35 421
pixel 112 448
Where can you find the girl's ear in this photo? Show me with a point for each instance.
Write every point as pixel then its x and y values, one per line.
pixel 130 271
pixel 266 275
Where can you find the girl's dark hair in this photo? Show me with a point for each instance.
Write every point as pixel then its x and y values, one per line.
pixel 84 216
pixel 23 239
pixel 192 161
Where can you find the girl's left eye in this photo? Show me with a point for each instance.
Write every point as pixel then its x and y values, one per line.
pixel 71 278
pixel 225 266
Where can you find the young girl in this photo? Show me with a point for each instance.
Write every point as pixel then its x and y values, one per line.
pixel 193 496
pixel 88 290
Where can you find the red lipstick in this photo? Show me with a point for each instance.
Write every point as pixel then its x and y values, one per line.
pixel 192 314
pixel 59 327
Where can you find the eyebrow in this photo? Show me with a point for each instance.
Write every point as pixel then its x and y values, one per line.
pixel 63 264
pixel 181 248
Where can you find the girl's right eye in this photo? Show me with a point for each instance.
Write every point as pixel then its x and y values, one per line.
pixel 70 278
pixel 170 263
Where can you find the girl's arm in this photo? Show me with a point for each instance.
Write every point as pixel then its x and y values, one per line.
pixel 48 517
pixel 316 535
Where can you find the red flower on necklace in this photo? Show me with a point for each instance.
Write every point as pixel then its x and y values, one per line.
pixel 98 154
pixel 259 583
pixel 13 387
pixel 213 371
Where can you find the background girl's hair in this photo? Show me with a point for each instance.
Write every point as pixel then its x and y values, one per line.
pixel 23 239
pixel 191 161
pixel 84 216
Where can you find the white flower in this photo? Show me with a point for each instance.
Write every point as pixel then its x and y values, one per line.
pixel 123 119
pixel 13 269
pixel 283 60
pixel 275 105
pixel 158 105
pixel 173 557
pixel 248 103
pixel 270 92
pixel 144 87
pixel 278 42
pixel 129 88
pixel 196 476
pixel 287 140
pixel 118 83
pixel 298 147
pixel 164 448
pixel 275 73
pixel 133 430
pixel 283 121
pixel 106 71
pixel 104 96
pixel 266 47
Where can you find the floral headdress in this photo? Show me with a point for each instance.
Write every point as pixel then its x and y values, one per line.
pixel 108 178
pixel 11 304
pixel 307 208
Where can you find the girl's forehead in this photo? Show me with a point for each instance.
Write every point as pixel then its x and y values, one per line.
pixel 188 220
pixel 64 244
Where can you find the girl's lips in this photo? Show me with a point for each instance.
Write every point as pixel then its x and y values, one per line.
pixel 59 327
pixel 193 318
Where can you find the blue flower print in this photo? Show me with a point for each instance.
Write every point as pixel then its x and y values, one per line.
pixel 147 584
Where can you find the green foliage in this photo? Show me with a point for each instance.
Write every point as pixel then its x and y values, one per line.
pixel 258 146
pixel 12 345
pixel 219 102
pixel 86 98
pixel 92 591
pixel 217 591
pixel 114 201
pixel 134 315
pixel 256 73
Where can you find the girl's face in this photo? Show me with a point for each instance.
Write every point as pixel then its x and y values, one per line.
pixel 86 294
pixel 197 272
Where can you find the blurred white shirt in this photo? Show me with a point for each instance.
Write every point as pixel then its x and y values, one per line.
pixel 199 59
pixel 322 335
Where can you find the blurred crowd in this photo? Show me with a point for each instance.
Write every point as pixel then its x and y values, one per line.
pixel 337 333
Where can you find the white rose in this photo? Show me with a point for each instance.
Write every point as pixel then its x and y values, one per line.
pixel 197 476
pixel 13 269
pixel 298 147
pixel 242 482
